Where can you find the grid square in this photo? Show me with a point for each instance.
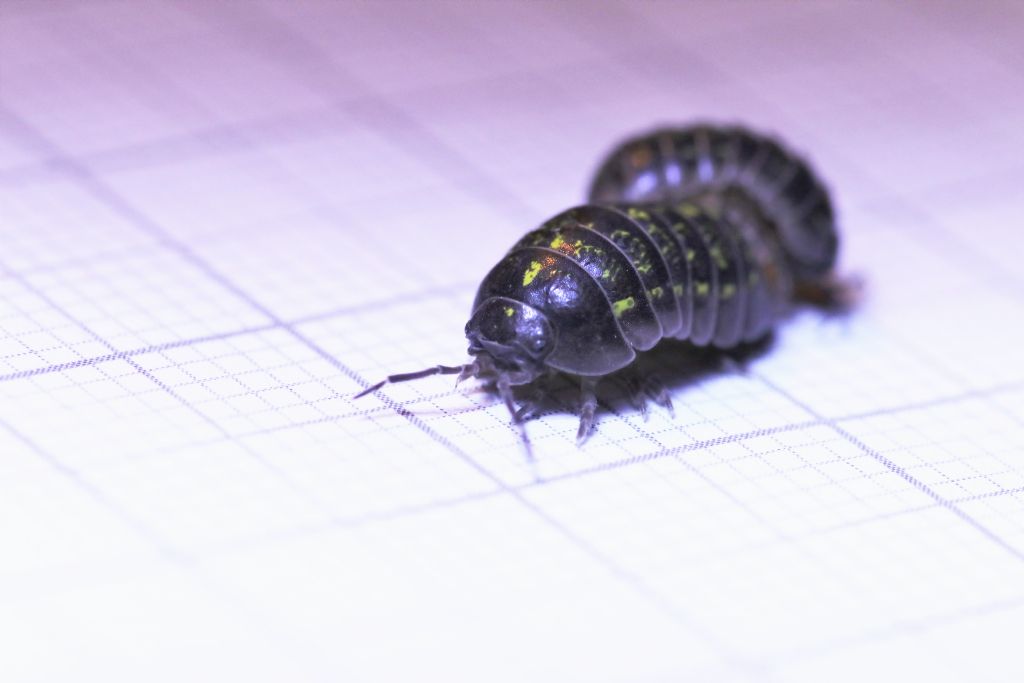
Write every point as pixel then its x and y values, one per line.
pixel 243 86
pixel 149 297
pixel 100 413
pixel 54 529
pixel 176 193
pixel 840 370
pixel 458 568
pixel 252 382
pixel 359 46
pixel 959 449
pixel 985 204
pixel 307 265
pixel 102 102
pixel 361 467
pixel 34 334
pixel 808 481
pixel 232 496
pixel 729 566
pixel 49 224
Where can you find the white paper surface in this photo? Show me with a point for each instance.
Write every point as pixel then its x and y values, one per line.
pixel 218 221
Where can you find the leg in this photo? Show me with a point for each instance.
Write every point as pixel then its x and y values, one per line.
pixel 635 389
pixel 732 362
pixel 657 392
pixel 588 406
pixel 505 390
pixel 533 404
pixel 529 410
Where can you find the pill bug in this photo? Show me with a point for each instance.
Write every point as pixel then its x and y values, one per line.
pixel 706 234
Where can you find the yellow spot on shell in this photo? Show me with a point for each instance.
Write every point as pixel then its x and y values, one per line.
pixel 677 290
pixel 728 290
pixel 657 292
pixel 622 305
pixel 703 288
pixel 509 311
pixel 557 242
pixel 688 210
pixel 531 272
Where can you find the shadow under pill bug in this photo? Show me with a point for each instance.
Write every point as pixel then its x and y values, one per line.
pixel 707 234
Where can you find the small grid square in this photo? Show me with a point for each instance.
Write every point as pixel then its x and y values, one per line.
pixel 807 481
pixel 252 382
pixel 34 334
pixel 383 469
pixel 53 529
pixel 102 102
pixel 106 411
pixel 960 449
pixel 306 264
pixel 199 197
pixel 46 225
pixel 231 496
pixel 839 370
pixel 458 567
pixel 146 298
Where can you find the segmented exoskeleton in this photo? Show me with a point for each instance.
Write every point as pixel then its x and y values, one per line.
pixel 702 234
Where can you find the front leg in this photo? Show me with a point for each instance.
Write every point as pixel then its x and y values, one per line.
pixel 537 397
pixel 588 406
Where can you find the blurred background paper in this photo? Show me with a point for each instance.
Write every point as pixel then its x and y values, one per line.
pixel 219 220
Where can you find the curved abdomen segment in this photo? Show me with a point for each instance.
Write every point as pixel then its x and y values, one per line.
pixel 698 234
pixel 649 272
pixel 704 163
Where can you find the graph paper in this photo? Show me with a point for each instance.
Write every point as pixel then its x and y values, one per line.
pixel 219 221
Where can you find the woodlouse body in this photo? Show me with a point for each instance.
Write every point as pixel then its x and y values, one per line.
pixel 706 164
pixel 700 234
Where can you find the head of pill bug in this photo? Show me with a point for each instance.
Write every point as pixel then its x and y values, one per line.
pixel 510 338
